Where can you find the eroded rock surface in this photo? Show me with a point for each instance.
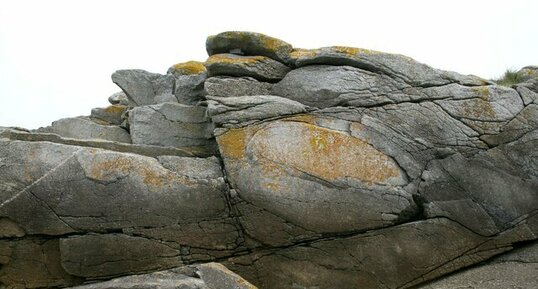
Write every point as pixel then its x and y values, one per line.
pixel 335 167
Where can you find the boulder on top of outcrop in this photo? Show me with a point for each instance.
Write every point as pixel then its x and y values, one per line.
pixel 248 43
pixel 173 125
pixel 528 72
pixel 111 114
pixel 189 81
pixel 201 276
pixel 120 98
pixel 143 88
pixel 394 65
pixel 85 128
pixel 260 67
pixel 224 110
pixel 236 86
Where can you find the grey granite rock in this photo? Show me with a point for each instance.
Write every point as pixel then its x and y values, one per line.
pixel 33 262
pixel 145 150
pixel 55 190
pixel 85 128
pixel 189 81
pixel 397 257
pixel 236 86
pixel 394 65
pixel 294 168
pixel 172 125
pixel 144 88
pixel 528 72
pixel 248 43
pixel 357 169
pixel 478 193
pixel 201 276
pixel 512 270
pixel 258 67
pixel 242 110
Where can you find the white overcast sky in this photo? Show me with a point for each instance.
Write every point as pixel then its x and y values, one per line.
pixel 56 57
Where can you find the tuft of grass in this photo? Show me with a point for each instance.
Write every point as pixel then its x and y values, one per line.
pixel 509 78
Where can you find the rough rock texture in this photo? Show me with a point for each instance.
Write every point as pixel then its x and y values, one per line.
pixel 224 110
pixel 143 88
pixel 203 276
pixel 259 67
pixel 85 128
pixel 513 270
pixel 355 169
pixel 172 125
pixel 236 86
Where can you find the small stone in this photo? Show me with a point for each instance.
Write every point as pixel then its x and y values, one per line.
pixel 189 81
pixel 248 43
pixel 119 98
pixel 111 114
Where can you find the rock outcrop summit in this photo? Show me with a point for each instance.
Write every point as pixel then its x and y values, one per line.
pixel 325 168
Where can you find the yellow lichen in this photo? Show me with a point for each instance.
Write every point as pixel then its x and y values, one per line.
pixel 324 153
pixel 102 169
pixel 307 118
pixel 115 109
pixel 152 178
pixel 352 51
pixel 232 143
pixel 233 59
pixel 189 68
pixel 303 53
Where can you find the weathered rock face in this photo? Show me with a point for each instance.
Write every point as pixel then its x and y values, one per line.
pixel 204 276
pixel 331 168
pixel 516 269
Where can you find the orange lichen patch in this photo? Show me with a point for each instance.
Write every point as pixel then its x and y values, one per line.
pixel 102 170
pixel 150 177
pixel 272 186
pixel 271 169
pixel 115 109
pixel 234 59
pixel 307 118
pixel 189 68
pixel 270 43
pixel 303 53
pixel 232 143
pixel 352 51
pixel 324 153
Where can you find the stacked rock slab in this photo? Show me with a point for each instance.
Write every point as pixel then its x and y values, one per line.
pixel 334 167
